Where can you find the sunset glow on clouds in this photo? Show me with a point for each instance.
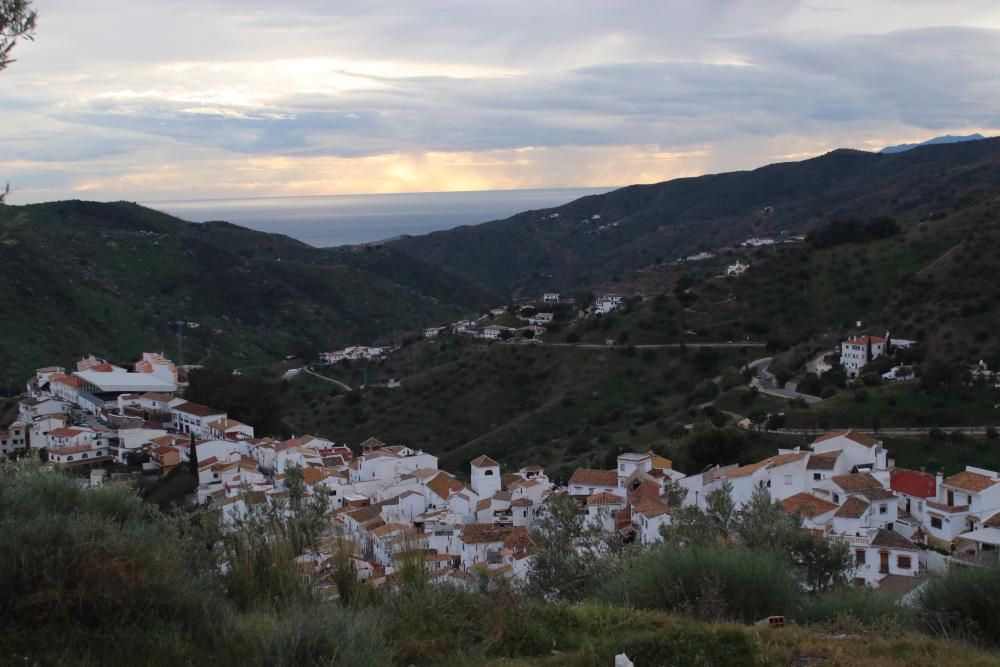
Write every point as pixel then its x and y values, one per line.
pixel 151 100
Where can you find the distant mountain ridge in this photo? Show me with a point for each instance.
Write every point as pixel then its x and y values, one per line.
pixel 945 139
pixel 593 239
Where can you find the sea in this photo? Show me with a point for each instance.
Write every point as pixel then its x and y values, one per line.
pixel 336 220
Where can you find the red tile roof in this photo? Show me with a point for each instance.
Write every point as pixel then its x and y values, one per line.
pixel 913 483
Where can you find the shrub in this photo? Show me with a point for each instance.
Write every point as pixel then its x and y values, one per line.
pixel 852 606
pixel 962 604
pixel 706 582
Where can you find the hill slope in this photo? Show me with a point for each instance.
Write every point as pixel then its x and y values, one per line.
pixel 593 238
pixel 84 277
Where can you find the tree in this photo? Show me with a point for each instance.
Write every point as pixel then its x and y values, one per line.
pixel 763 523
pixel 823 563
pixel 17 21
pixel 716 523
pixel 571 555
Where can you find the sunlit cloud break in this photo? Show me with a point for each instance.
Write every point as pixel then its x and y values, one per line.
pixel 216 99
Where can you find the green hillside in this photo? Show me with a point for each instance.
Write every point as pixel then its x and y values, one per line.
pixel 108 279
pixel 564 247
pixel 559 407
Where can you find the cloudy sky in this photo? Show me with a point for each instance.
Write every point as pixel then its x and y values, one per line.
pixel 179 99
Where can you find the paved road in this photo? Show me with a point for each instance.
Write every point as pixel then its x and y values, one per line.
pixel 897 431
pixel 330 380
pixel 765 382
pixel 657 346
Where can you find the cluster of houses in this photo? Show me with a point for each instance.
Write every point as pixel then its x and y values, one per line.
pixel 844 487
pixel 390 502
pixel 737 269
pixel 354 353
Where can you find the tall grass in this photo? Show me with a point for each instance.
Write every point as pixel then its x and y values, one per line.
pixel 707 582
pixel 851 607
pixel 963 604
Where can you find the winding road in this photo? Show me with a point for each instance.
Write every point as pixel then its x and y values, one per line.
pixel 765 382
pixel 330 380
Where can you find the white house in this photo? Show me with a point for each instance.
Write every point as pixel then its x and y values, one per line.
pixel 13 437
pixel 859 449
pixel 964 501
pixel 880 553
pixel 857 351
pixel 737 269
pixel 541 319
pixel 913 489
pixel 815 512
pixel 194 418
pixel 551 297
pixel 602 508
pixel 485 476
pixel 648 516
pixel 586 482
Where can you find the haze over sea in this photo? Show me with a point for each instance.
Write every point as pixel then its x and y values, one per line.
pixel 325 221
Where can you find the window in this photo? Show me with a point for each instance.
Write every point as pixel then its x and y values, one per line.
pixel 883 509
pixel 859 556
pixel 817 476
pixel 836 498
pixel 788 480
pixel 935 522
pixel 903 562
pixel 489 473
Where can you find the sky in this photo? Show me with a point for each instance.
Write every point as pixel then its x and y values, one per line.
pixel 151 100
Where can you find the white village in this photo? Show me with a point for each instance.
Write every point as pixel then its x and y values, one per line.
pixel 385 500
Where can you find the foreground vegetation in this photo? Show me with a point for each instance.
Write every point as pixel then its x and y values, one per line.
pixel 80 566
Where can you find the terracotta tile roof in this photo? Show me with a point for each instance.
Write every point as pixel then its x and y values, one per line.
pixel 444 484
pixel 660 462
pixel 890 539
pixel 65 432
pixel 913 483
pixel 972 482
pixel 156 396
pixel 605 498
pixel 197 409
pixel 313 475
pixel 372 443
pixel 484 504
pixel 850 434
pixel 522 502
pixel 650 507
pixel 853 508
pixel 856 482
pixel 876 495
pixel 807 505
pixel 743 471
pixel 484 462
pixel 993 521
pixel 590 477
pixel 68 380
pixel 509 480
pixel 946 508
pixel 824 461
pixel 479 533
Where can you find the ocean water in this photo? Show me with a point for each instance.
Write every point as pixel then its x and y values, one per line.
pixel 326 221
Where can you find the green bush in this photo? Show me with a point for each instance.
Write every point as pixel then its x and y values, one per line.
pixel 706 582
